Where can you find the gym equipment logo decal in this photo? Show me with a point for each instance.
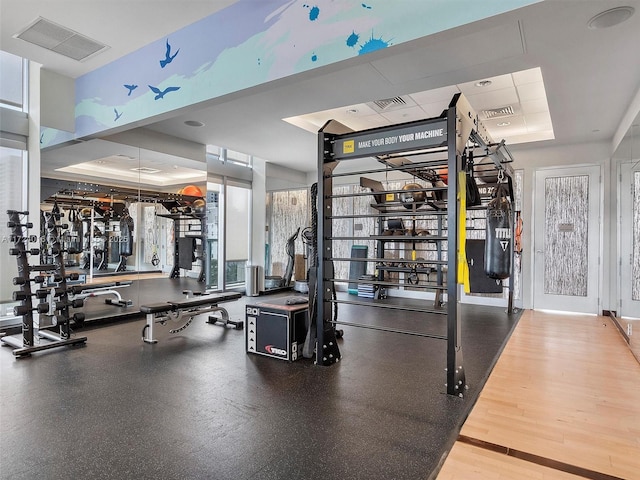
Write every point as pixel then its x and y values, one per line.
pixel 349 146
pixel 275 350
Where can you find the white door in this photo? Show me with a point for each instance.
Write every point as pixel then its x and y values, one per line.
pixel 567 239
pixel 629 240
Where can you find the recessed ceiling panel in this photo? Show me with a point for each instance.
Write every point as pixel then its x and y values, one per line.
pixel 499 109
pixel 494 99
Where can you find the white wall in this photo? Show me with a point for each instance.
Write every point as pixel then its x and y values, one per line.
pixel 258 215
pixel 281 178
pixel 57 101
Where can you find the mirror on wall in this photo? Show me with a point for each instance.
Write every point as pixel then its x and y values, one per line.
pixel 130 222
pixel 627 163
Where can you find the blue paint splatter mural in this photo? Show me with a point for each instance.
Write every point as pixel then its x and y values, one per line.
pixel 372 45
pixel 313 13
pixel 352 40
pixel 217 54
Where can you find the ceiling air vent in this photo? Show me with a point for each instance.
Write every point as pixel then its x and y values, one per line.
pixel 387 104
pixel 498 112
pixel 59 39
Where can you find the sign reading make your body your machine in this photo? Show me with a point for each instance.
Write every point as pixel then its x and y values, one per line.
pixel 419 136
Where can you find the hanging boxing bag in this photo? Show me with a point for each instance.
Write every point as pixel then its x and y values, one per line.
pixel 498 246
pixel 126 235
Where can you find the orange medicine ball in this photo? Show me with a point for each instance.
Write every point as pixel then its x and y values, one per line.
pixel 192 191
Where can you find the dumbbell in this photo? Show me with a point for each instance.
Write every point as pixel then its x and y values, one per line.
pixel 62 226
pixel 77 303
pixel 19 296
pixel 78 319
pixel 45 292
pixel 25 212
pixel 23 280
pixel 12 224
pixel 19 251
pixel 24 310
pixel 42 293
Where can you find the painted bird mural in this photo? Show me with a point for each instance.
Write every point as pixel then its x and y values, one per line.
pixel 161 93
pixel 131 88
pixel 118 115
pixel 168 58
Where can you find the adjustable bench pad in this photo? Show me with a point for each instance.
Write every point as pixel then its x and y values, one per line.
pixel 156 308
pixel 212 299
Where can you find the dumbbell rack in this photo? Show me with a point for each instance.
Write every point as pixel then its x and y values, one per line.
pixel 53 308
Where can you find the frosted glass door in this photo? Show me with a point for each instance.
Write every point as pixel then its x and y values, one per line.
pixel 566 239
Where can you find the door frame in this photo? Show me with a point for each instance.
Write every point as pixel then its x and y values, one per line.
pixel 594 293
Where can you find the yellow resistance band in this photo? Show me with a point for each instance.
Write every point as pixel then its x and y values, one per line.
pixel 463 266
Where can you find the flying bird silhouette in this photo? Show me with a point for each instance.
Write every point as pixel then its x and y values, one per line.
pixel 168 58
pixel 161 93
pixel 118 115
pixel 131 88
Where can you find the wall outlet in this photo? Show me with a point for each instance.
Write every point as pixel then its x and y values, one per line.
pixel 629 329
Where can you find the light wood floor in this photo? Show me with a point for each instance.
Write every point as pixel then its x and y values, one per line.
pixel 566 393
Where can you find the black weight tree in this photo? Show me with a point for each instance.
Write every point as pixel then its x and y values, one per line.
pixel 53 306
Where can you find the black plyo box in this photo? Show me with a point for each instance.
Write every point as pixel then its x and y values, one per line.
pixel 275 329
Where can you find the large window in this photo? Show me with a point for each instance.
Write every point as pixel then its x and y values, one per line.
pixel 12 197
pixel 238 201
pixel 12 84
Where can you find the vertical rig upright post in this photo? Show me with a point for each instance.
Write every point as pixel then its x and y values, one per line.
pixel 456 381
pixel 327 351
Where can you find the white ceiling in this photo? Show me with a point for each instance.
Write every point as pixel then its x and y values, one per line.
pixel 590 76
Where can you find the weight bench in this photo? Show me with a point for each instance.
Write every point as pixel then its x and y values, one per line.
pixel 88 291
pixel 189 308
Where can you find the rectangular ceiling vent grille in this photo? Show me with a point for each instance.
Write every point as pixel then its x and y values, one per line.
pixel 61 40
pixel 394 103
pixel 498 112
pixel 145 170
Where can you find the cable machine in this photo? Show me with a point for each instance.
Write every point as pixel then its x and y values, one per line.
pixel 423 154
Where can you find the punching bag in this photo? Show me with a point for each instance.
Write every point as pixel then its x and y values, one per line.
pixel 126 234
pixel 498 246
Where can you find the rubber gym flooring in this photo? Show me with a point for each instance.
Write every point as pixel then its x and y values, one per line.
pixel 196 406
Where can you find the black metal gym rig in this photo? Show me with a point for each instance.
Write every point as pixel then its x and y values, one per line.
pixel 438 144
